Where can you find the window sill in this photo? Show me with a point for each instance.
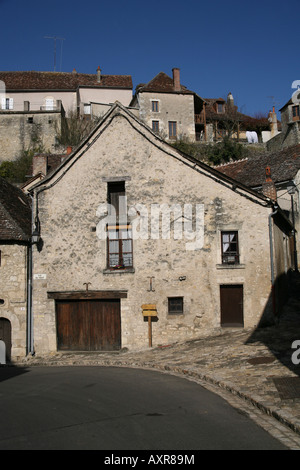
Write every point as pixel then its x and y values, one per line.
pixel 231 266
pixel 118 271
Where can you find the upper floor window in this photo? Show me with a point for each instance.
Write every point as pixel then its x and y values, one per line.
pixel 49 104
pixel 116 197
pixel 220 107
pixel 230 248
pixel 155 106
pixel 172 129
pixel 7 103
pixel 296 111
pixel 119 247
pixel 155 126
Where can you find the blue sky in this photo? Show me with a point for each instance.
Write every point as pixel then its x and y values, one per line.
pixel 248 48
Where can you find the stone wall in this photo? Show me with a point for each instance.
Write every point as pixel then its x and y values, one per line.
pixel 154 173
pixel 13 294
pixel 22 131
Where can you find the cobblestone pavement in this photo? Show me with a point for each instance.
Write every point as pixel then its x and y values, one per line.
pixel 251 369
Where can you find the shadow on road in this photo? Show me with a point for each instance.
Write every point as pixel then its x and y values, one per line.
pixel 8 372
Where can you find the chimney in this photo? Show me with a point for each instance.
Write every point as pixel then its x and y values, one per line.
pixel 39 164
pixel 274 124
pixel 69 150
pixel 230 100
pixel 268 186
pixel 176 79
pixel 98 74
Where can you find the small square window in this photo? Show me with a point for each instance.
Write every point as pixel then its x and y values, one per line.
pixel 175 305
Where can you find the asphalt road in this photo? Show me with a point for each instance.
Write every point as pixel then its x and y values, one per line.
pixel 115 409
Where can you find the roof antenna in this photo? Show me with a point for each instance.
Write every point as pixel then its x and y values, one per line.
pixel 55 39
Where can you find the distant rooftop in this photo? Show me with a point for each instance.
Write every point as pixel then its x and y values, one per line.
pixel 62 81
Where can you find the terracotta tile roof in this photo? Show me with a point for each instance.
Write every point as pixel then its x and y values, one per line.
pixel 211 111
pixel 61 81
pixel 15 213
pixel 162 83
pixel 284 166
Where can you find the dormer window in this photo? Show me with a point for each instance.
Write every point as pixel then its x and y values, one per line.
pixel 220 108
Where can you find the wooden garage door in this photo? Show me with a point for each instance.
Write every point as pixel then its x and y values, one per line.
pixel 232 313
pixel 88 325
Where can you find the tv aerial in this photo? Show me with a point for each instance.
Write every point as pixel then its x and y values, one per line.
pixel 55 38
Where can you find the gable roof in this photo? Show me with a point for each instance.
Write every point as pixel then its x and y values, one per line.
pixel 284 166
pixel 32 80
pixel 162 83
pixel 118 109
pixel 15 213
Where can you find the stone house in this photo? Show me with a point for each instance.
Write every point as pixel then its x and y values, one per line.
pixel 139 241
pixel 169 108
pixel 15 249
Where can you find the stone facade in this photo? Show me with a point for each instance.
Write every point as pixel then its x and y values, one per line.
pixel 72 252
pixel 13 293
pixel 171 108
pixel 168 107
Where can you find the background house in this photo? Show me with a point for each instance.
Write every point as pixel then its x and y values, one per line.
pixel 290 132
pixel 175 112
pixel 169 108
pixel 284 171
pixel 35 104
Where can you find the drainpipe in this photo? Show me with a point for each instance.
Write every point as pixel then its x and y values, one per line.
pixel 30 347
pixel 275 210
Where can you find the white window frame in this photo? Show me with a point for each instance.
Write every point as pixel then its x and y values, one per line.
pixel 7 103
